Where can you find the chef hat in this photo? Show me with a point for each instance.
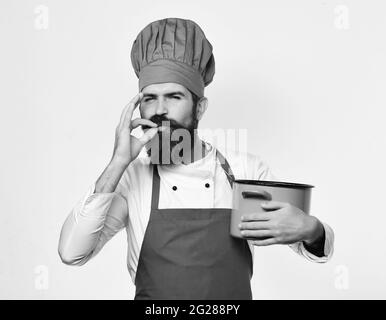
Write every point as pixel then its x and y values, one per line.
pixel 173 50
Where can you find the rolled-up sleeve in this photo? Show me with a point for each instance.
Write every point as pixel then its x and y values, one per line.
pixel 94 220
pixel 299 247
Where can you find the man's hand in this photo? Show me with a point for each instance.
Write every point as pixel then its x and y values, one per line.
pixel 126 146
pixel 281 223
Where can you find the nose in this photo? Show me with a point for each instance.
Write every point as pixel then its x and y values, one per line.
pixel 161 107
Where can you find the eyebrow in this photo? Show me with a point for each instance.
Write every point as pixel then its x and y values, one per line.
pixel 175 93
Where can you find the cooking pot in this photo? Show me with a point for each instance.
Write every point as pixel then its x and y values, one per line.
pixel 249 194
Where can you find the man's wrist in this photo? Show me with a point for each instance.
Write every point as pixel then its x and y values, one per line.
pixel 315 232
pixel 116 163
pixel 314 243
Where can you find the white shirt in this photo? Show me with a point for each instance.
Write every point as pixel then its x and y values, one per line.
pixel 97 217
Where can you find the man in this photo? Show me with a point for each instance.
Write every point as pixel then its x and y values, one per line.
pixel 176 202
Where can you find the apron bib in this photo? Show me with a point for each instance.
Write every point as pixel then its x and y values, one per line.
pixel 188 253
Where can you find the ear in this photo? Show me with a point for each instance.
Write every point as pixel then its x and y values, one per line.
pixel 202 105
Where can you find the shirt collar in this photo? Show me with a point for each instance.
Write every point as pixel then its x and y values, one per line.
pixel 203 167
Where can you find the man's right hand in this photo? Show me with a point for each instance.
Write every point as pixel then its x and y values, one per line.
pixel 127 147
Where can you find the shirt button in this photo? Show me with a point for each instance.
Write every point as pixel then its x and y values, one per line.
pixel 174 188
pixel 207 185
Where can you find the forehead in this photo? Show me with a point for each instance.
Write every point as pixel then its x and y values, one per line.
pixel 164 88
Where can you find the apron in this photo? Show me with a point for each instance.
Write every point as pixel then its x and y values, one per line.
pixel 188 253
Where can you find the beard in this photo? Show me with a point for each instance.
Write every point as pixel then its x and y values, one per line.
pixel 169 145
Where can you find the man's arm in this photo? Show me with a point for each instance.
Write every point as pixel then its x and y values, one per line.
pixel 96 218
pixel 102 212
pixel 110 177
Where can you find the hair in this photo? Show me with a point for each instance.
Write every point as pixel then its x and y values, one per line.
pixel 195 99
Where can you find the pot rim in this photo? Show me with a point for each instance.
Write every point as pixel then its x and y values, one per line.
pixel 279 184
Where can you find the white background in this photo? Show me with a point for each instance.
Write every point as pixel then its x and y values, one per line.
pixel 304 78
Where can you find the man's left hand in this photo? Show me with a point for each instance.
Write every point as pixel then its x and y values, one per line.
pixel 280 223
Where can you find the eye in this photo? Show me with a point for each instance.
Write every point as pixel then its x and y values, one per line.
pixel 148 99
pixel 176 97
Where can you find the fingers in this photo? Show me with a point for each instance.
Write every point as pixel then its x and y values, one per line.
pixel 255 225
pixel 265 242
pixel 256 216
pixel 123 115
pixel 127 112
pixel 148 135
pixel 140 121
pixel 256 233
pixel 273 205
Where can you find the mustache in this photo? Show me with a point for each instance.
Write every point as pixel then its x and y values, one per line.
pixel 158 119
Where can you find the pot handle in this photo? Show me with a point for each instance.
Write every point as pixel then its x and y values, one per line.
pixel 260 194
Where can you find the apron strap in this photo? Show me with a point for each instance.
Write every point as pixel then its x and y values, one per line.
pixel 156 179
pixel 226 167
pixel 155 188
